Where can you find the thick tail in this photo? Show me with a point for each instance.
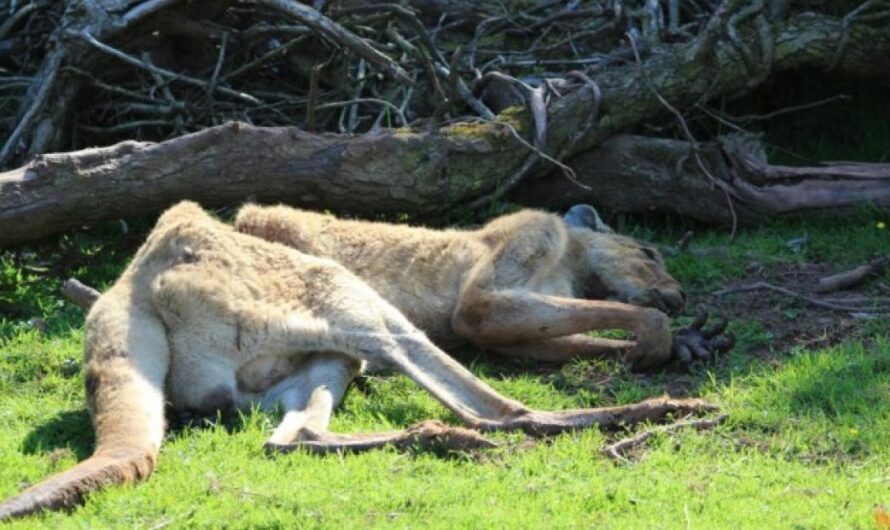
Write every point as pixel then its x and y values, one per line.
pixel 126 364
pixel 68 489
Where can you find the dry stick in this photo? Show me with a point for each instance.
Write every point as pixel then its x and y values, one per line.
pixel 852 277
pixel 460 89
pixel 746 12
pixel 764 286
pixel 10 22
pixel 327 27
pixel 79 294
pixel 592 116
pixel 708 37
pixel 112 88
pixel 357 101
pixel 166 92
pixel 127 126
pixel 46 85
pixel 89 39
pixel 214 78
pixel 539 113
pixel 615 450
pixel 515 179
pixel 845 35
pixel 361 78
pixel 408 15
pixel 264 57
pixel 787 110
pixel 696 149
pixel 312 99
pixel 144 9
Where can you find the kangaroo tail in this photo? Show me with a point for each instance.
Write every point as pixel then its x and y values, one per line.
pixel 127 360
pixel 68 489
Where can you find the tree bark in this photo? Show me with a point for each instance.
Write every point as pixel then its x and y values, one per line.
pixel 629 173
pixel 406 171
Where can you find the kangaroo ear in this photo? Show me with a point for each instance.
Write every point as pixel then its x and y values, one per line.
pixel 585 216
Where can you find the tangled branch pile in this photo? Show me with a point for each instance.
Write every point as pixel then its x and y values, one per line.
pixel 435 104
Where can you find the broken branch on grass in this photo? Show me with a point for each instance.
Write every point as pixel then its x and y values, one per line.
pixel 616 450
pixel 853 277
pixel 764 286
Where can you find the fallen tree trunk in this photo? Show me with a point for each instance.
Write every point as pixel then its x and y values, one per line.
pixel 629 173
pixel 413 172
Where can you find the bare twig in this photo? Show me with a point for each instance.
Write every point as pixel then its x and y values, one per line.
pixel 126 126
pixel 683 243
pixel 709 35
pixel 281 50
pixel 330 29
pixel 764 286
pixel 144 9
pixel 214 78
pixel 50 72
pixel 460 88
pixel 696 149
pixel 374 101
pixel 788 110
pixel 853 277
pixel 161 71
pixel 616 450
pixel 10 22
pixel 845 36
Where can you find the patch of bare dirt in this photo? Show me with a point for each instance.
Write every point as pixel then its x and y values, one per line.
pixel 790 321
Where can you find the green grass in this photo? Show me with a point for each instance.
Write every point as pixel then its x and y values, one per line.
pixel 807 444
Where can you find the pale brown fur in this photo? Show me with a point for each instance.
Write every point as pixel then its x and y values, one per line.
pixel 525 284
pixel 201 304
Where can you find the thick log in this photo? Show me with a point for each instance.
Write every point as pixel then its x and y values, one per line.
pixel 405 171
pixel 629 173
pixel 392 172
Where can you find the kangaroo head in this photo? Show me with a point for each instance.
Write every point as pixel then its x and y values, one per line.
pixel 620 268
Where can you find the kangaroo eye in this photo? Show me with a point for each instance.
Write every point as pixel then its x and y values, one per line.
pixel 650 253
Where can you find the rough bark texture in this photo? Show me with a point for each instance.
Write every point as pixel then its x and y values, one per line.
pixel 413 172
pixel 640 174
pixel 393 172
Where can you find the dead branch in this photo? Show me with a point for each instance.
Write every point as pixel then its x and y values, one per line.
pixel 426 174
pixel 324 25
pixel 173 76
pixel 853 277
pixel 616 450
pixel 834 306
pixel 632 173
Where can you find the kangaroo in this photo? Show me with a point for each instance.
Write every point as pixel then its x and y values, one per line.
pixel 206 318
pixel 528 284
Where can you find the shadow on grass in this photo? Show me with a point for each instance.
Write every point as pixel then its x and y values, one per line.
pixel 825 406
pixel 70 430
pixel 73 430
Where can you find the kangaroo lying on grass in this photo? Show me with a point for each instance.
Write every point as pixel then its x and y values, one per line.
pixel 528 284
pixel 206 318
